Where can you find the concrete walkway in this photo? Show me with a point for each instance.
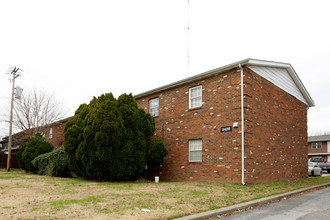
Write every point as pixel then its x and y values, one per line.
pixel 250 204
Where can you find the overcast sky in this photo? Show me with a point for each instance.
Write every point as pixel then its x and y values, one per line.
pixel 80 49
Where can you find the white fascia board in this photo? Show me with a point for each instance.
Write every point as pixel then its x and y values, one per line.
pixel 255 62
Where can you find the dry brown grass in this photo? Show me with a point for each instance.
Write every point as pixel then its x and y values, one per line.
pixel 29 196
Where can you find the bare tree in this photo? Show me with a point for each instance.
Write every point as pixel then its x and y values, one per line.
pixel 35 111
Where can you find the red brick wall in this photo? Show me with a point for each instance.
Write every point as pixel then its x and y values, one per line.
pixel 176 125
pixel 276 131
pixel 58 134
pixel 323 149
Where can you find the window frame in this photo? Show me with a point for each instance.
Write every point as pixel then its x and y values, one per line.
pixel 190 97
pixel 316 145
pixel 154 107
pixel 198 150
pixel 50 133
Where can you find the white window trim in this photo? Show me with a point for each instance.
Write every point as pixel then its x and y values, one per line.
pixel 316 145
pixel 154 107
pixel 195 97
pixel 201 150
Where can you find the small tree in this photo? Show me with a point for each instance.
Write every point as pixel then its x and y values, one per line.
pixel 34 148
pixel 107 139
pixel 21 149
pixel 156 153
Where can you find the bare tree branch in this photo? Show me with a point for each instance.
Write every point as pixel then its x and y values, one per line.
pixel 34 112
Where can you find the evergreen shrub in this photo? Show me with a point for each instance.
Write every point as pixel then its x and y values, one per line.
pixel 107 138
pixel 52 164
pixel 34 148
pixel 20 152
pixel 156 153
pixel 40 163
pixel 58 163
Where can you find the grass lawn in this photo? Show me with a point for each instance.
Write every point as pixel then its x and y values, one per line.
pixel 29 196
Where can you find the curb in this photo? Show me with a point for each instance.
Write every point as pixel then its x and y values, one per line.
pixel 245 205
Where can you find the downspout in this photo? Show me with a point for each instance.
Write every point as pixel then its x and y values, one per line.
pixel 242 120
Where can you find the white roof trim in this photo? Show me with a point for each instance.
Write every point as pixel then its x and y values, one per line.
pixel 247 62
pixel 316 154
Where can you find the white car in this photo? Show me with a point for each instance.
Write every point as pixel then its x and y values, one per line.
pixel 314 169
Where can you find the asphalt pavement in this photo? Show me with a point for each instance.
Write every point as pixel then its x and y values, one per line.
pixel 308 203
pixel 307 206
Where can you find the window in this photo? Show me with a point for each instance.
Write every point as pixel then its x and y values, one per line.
pixel 317 145
pixel 195 97
pixel 154 107
pixel 195 151
pixel 50 133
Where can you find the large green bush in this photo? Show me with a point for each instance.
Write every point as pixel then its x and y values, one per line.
pixel 34 148
pixel 107 139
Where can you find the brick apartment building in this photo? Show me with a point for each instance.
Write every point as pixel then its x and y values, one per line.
pixel 200 121
pixel 16 141
pixel 319 146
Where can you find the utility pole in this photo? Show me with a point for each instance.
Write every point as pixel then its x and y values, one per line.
pixel 15 74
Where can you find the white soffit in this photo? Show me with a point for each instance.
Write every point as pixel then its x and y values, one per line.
pixel 281 78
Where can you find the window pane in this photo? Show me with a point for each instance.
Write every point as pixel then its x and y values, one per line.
pixel 196 102
pixel 154 102
pixel 317 145
pixel 195 150
pixel 195 145
pixel 195 92
pixel 195 156
pixel 154 107
pixel 195 96
pixel 154 111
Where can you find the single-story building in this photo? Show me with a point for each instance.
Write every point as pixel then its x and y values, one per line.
pixel 319 146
